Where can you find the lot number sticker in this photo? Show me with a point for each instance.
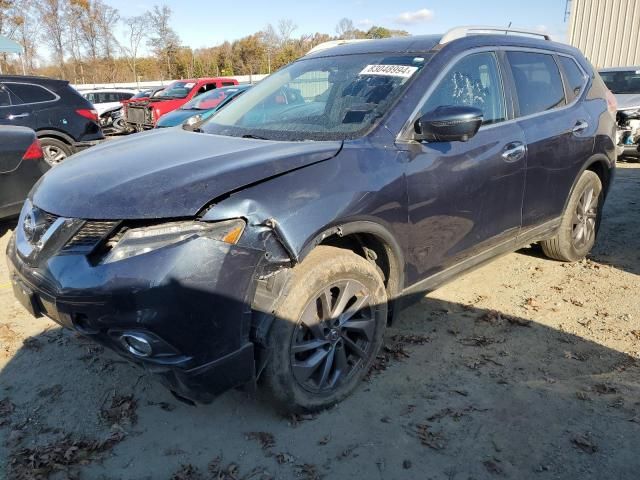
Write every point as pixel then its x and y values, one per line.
pixel 404 71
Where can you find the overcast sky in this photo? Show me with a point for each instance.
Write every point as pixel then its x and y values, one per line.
pixel 202 23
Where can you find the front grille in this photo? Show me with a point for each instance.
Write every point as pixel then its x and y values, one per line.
pixel 89 235
pixel 139 115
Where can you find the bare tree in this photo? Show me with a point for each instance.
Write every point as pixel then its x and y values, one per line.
pixel 107 18
pixel 271 40
pixel 286 27
pixel 136 32
pixel 53 25
pixel 165 40
pixel 345 29
pixel 27 32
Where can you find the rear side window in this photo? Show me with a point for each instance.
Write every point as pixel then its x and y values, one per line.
pixel 576 79
pixel 472 82
pixel 29 93
pixel 538 82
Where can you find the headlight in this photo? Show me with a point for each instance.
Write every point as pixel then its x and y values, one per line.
pixel 193 120
pixel 146 239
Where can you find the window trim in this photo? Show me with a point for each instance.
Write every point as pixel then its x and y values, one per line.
pixel 405 135
pixel 562 77
pixel 57 97
pixel 565 78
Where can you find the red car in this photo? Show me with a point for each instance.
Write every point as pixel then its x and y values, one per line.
pixel 144 113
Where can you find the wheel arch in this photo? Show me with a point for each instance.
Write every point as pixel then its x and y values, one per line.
pixel 58 135
pixel 598 164
pixel 371 241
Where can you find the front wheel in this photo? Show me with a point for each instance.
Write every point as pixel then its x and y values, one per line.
pixel 327 332
pixel 580 222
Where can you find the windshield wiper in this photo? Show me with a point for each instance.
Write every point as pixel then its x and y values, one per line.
pixel 256 137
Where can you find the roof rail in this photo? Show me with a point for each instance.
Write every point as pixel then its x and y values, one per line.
pixel 461 32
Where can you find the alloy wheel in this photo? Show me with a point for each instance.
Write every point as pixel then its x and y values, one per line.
pixel 53 155
pixel 334 336
pixel 584 218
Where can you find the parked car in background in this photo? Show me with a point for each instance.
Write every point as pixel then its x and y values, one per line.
pixel 64 120
pixel 21 165
pixel 107 99
pixel 276 242
pixel 113 120
pixel 201 107
pixel 144 113
pixel 624 83
pixel 147 93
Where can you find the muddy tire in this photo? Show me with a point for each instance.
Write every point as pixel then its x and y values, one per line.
pixel 580 222
pixel 328 330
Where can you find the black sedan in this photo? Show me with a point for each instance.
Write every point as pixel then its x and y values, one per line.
pixel 21 165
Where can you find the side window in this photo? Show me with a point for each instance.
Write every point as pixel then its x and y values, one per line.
pixel 538 82
pixel 28 93
pixel 91 97
pixel 125 96
pixel 576 79
pixel 4 97
pixel 474 82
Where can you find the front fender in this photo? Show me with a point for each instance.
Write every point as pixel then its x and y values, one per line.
pixel 359 188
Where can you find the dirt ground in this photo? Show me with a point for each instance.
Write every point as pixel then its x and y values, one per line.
pixel 526 368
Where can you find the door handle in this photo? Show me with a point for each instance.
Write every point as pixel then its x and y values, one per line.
pixel 514 151
pixel 19 115
pixel 579 127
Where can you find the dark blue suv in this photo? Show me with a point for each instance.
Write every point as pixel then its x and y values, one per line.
pixel 276 242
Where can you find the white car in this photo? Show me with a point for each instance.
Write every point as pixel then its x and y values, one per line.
pixel 104 99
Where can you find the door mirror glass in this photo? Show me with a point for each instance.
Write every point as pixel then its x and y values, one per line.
pixel 449 123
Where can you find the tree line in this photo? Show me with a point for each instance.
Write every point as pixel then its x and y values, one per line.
pixel 88 41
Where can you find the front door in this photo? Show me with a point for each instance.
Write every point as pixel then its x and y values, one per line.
pixel 13 110
pixel 465 197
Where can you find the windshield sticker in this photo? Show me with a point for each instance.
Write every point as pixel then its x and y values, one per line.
pixel 189 85
pixel 404 71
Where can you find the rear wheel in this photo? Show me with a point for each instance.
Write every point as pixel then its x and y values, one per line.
pixel 580 222
pixel 55 151
pixel 327 332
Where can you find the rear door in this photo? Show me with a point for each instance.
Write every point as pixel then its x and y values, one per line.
pixel 18 110
pixel 466 197
pixel 558 131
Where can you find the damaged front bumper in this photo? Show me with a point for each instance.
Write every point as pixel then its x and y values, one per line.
pixel 187 307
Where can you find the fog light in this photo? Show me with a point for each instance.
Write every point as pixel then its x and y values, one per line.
pixel 136 344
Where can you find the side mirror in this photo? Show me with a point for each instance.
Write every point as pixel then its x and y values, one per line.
pixel 448 124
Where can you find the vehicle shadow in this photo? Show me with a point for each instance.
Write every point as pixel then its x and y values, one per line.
pixel 457 392
pixel 7 225
pixel 618 244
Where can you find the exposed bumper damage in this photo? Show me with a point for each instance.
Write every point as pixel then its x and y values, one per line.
pixel 201 306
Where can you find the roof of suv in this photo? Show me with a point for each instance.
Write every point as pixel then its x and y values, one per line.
pixel 425 43
pixel 33 79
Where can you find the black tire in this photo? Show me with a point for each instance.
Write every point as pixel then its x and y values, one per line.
pixel 55 151
pixel 306 341
pixel 580 222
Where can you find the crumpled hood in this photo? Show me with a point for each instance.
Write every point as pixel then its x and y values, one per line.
pixel 627 100
pixel 166 173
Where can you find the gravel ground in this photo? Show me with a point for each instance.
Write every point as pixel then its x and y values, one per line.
pixel 526 368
